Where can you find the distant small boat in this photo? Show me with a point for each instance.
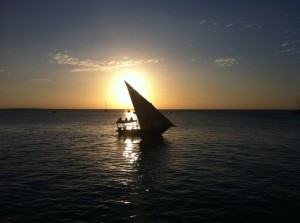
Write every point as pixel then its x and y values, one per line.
pixel 105 109
pixel 146 121
pixel 298 110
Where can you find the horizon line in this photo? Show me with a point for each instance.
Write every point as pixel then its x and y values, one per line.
pixel 168 109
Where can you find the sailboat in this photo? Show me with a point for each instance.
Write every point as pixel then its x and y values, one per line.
pixel 105 109
pixel 298 110
pixel 148 122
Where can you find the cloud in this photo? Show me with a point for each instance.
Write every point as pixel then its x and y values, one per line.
pixel 253 26
pixel 40 80
pixel 290 44
pixel 291 48
pixel 226 61
pixel 4 72
pixel 90 65
pixel 202 22
pixel 229 25
pixel 233 24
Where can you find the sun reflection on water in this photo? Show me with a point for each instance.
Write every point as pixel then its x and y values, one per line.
pixel 131 152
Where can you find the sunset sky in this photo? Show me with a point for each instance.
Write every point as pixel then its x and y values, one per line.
pixel 187 54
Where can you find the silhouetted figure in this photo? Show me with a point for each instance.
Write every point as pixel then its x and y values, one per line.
pixel 119 120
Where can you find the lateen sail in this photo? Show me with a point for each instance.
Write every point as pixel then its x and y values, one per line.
pixel 149 117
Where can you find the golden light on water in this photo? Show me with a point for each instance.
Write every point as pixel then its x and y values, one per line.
pixel 120 93
pixel 131 152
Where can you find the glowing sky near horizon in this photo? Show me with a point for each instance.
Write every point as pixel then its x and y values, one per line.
pixel 199 54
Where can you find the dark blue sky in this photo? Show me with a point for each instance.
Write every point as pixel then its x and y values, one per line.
pixel 227 54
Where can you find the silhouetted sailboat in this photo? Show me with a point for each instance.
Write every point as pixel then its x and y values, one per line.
pixel 105 109
pixel 298 110
pixel 150 122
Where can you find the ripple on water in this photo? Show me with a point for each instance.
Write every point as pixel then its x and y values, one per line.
pixel 230 166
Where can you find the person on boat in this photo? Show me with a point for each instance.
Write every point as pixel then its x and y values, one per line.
pixel 131 119
pixel 126 119
pixel 119 120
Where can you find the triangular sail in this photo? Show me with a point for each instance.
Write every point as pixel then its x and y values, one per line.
pixel 149 117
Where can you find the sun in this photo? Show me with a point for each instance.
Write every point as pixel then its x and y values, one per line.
pixel 136 80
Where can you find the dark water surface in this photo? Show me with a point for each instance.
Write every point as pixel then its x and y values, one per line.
pixel 225 166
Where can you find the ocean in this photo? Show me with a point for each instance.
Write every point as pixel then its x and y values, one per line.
pixel 215 166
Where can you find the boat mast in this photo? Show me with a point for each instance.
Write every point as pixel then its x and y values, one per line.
pixel 105 109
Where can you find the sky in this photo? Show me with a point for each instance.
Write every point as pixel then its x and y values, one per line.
pixel 179 54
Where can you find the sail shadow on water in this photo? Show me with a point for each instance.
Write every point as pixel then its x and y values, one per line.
pixel 154 158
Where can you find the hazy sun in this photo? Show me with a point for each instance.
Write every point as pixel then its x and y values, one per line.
pixel 136 80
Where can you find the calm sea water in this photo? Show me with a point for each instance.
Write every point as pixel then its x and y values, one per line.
pixel 225 166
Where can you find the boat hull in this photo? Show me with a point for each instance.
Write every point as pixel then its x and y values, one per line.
pixel 141 132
